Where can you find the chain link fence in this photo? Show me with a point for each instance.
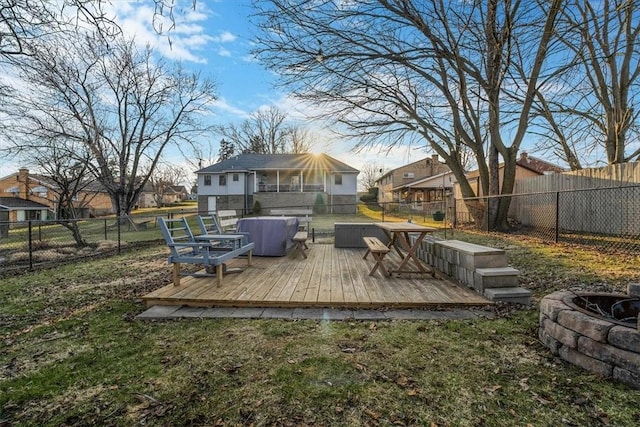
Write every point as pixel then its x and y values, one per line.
pixel 607 218
pixel 29 244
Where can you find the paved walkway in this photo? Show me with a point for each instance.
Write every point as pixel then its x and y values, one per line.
pixel 159 312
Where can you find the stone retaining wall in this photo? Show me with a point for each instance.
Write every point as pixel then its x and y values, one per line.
pixel 592 343
pixel 481 268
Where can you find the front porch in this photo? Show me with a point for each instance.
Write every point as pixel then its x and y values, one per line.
pixel 330 277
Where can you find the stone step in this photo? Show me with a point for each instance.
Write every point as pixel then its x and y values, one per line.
pixel 499 277
pixel 471 256
pixel 509 295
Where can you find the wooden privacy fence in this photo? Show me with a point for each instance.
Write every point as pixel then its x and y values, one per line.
pixel 602 202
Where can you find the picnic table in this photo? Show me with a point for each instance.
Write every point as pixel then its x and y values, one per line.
pixel 398 234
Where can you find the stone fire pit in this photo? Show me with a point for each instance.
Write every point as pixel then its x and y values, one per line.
pixel 598 332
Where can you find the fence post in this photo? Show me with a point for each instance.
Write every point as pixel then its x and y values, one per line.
pixel 30 228
pixel 557 236
pixel 118 219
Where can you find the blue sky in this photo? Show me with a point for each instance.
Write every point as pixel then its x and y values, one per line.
pixel 215 38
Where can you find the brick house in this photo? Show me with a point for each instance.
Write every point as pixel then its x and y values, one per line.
pixel 396 185
pixel 93 200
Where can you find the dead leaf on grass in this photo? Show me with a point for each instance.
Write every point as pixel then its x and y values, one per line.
pixel 361 368
pixel 372 414
pixel 493 388
pixel 232 369
pixel 402 381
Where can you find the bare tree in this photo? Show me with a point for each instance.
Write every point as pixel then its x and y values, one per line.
pixel 163 180
pixel 598 109
pixel 122 106
pixel 69 179
pixel 266 132
pixel 437 73
pixel 369 174
pixel 25 22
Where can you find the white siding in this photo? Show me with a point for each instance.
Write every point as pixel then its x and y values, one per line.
pixel 349 184
pixel 231 188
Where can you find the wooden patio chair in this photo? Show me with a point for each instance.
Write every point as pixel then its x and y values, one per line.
pixel 185 249
pixel 210 225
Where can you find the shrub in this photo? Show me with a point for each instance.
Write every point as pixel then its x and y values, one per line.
pixel 257 208
pixel 369 198
pixel 319 207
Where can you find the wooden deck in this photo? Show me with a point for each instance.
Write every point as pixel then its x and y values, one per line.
pixel 330 277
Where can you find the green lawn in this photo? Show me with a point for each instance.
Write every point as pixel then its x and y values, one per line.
pixel 73 355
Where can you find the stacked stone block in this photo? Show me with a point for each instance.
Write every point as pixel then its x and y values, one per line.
pixel 595 344
pixel 479 267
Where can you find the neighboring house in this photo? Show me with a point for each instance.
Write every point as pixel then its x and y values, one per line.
pixel 278 180
pixel 526 167
pixel 14 209
pixel 93 200
pixel 393 185
pixel 173 194
pixel 430 193
pixel 179 193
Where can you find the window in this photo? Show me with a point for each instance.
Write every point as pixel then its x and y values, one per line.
pixel 338 179
pixel 32 215
pixel 236 177
pixel 222 180
pixel 207 180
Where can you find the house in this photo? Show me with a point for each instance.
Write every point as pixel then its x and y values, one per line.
pixel 392 186
pixel 16 209
pixel 172 194
pixel 278 180
pixel 92 200
pixel 526 167
pixel 432 193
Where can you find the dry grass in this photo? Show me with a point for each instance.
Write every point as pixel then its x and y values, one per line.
pixel 74 355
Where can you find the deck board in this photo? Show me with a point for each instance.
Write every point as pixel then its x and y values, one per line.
pixel 329 277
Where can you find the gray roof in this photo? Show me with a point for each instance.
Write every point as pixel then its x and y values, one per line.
pixel 256 162
pixel 16 203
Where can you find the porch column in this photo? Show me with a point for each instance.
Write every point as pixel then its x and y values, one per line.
pixel 277 181
pixel 302 181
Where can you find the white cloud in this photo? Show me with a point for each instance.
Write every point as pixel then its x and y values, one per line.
pixel 181 42
pixel 223 52
pixel 225 37
pixel 225 108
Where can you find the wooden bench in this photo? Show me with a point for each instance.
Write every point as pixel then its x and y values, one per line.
pixel 300 239
pixel 185 249
pixel 379 250
pixel 227 220
pixel 304 216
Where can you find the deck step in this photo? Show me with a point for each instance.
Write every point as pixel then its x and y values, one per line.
pixel 500 277
pixel 509 295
